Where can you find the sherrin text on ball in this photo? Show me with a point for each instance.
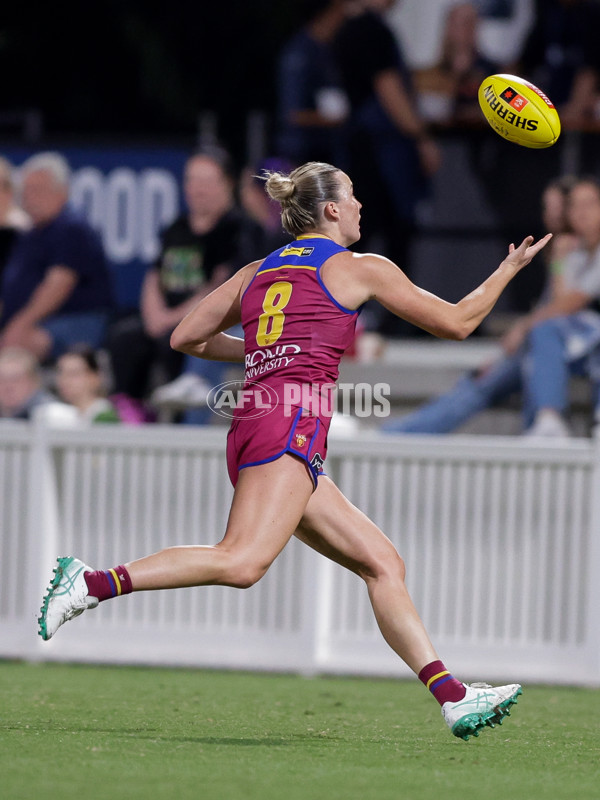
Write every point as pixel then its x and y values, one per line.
pixel 519 111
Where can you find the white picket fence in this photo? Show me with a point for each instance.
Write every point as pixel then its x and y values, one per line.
pixel 501 539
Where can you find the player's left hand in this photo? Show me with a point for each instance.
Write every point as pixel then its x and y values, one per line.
pixel 521 256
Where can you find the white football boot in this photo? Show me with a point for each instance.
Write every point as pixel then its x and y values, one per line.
pixel 67 596
pixel 482 705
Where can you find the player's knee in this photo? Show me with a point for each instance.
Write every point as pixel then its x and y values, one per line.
pixel 388 565
pixel 395 566
pixel 402 567
pixel 392 566
pixel 245 575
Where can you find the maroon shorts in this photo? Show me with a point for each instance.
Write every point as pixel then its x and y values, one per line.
pixel 257 440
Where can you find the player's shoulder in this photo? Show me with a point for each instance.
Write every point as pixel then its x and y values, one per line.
pixel 349 260
pixel 359 276
pixel 247 273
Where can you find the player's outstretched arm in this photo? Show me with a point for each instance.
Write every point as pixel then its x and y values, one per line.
pixel 380 279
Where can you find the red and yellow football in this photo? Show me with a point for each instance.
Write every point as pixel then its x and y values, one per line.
pixel 519 111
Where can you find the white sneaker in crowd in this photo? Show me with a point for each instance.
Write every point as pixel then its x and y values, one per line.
pixel 187 389
pixel 548 424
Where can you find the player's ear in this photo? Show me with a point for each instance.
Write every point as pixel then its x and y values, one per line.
pixel 331 211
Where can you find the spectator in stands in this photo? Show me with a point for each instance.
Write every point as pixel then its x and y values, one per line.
pixel 259 206
pixel 562 57
pixel 199 250
pixel 495 382
pixel 447 91
pixel 567 342
pixel 81 385
pixel 12 218
pixel 21 385
pixel 391 152
pixel 311 102
pixel 56 287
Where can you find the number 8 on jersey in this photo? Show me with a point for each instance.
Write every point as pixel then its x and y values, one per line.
pixel 270 322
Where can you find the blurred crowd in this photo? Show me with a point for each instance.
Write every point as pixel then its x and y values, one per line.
pixel 346 95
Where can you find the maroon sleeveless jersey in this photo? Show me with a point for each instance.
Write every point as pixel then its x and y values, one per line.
pixel 295 331
pixel 295 335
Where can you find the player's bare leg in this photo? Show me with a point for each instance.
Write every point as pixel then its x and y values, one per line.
pixel 338 530
pixel 268 503
pixel 333 526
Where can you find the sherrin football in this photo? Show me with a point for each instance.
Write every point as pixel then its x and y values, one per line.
pixel 519 111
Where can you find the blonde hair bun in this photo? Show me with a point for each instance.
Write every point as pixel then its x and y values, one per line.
pixel 279 187
pixel 302 194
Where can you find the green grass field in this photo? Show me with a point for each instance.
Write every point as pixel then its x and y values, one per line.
pixel 94 733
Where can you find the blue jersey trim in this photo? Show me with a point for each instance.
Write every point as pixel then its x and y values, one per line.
pixel 331 246
pixel 332 298
pixel 249 285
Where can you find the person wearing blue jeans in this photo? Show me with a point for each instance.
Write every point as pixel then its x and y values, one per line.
pixel 560 337
pixel 567 342
pixel 558 348
pixel 470 395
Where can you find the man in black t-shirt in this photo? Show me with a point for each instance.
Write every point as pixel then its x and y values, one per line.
pixel 193 262
pixel 200 250
pixel 391 152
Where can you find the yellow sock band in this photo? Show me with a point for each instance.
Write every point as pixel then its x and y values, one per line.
pixel 117 581
pixel 436 677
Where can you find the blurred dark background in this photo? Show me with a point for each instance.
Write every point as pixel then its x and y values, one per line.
pixel 140 67
pixel 155 75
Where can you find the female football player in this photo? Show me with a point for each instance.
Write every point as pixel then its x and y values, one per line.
pixel 298 308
